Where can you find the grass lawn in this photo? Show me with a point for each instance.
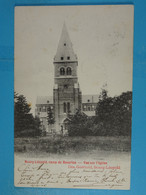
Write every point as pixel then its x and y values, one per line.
pixel 72 145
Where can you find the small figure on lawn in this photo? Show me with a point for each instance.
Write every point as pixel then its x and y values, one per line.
pixel 62 129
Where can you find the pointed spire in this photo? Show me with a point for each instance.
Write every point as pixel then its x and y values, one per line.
pixel 65 51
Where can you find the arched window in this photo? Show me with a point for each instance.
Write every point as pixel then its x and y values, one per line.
pixel 68 107
pixel 62 71
pixel 84 108
pixel 68 71
pixel 93 107
pixel 64 107
pixel 44 109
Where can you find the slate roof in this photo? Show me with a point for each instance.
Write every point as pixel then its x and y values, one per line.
pixel 65 48
pixel 90 98
pixel 49 99
pixel 44 100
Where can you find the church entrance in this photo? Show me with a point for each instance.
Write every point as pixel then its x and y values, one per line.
pixel 64 126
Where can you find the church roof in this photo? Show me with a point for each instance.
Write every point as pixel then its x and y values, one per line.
pixel 65 50
pixel 90 98
pixel 44 100
pixel 49 99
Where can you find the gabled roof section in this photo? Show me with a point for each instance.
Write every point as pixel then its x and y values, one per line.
pixel 65 50
pixel 44 100
pixel 90 99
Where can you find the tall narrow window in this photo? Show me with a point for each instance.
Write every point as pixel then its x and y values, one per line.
pixel 64 107
pixel 68 71
pixel 65 126
pixel 62 71
pixel 93 107
pixel 68 107
pixel 84 108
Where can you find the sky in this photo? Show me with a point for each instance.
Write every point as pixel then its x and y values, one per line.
pixel 102 38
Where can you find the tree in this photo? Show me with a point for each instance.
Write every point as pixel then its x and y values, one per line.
pixel 37 124
pixel 50 117
pixel 123 113
pixel 78 124
pixel 24 122
pixel 113 114
pixel 21 113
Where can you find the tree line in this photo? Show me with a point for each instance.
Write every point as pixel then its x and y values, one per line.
pixel 112 117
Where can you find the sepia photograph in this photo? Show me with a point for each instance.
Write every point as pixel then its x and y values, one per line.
pixel 73 71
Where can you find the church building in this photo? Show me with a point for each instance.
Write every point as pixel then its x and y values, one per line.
pixel 67 96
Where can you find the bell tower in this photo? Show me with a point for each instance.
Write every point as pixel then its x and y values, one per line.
pixel 66 92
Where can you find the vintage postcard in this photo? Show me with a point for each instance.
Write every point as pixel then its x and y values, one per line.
pixel 73 96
